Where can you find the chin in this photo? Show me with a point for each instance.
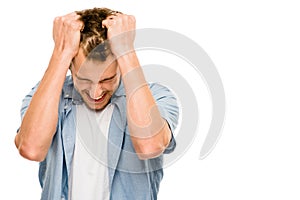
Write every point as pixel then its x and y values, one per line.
pixel 96 107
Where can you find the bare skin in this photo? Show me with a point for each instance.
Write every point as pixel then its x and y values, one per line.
pixel 39 123
pixel 150 137
pixel 149 132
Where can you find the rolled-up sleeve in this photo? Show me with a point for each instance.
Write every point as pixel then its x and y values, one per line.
pixel 26 101
pixel 167 104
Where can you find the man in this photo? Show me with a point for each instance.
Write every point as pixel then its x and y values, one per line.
pixel 100 133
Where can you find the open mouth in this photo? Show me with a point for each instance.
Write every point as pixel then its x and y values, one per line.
pixel 97 99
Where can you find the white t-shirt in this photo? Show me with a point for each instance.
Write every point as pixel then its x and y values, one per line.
pixel 89 175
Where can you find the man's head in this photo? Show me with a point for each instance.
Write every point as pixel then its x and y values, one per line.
pixel 94 69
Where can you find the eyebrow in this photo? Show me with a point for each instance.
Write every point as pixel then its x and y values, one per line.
pixel 106 79
pixel 83 79
pixel 109 78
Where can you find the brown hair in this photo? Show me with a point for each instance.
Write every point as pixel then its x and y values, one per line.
pixel 93 39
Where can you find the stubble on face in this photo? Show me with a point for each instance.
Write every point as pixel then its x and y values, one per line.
pixel 96 81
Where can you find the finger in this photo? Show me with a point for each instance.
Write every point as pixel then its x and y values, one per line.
pixel 118 14
pixel 108 23
pixel 82 27
pixel 77 25
pixel 104 23
pixel 72 15
pixel 69 18
pixel 111 17
pixel 114 15
pixel 72 22
pixel 78 22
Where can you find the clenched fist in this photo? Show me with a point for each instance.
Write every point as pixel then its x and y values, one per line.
pixel 120 32
pixel 66 34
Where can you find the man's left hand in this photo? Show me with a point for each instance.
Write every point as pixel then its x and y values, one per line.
pixel 120 33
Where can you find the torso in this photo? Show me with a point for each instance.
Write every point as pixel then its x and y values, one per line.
pixel 89 175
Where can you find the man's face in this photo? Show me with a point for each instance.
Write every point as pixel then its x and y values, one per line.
pixel 96 81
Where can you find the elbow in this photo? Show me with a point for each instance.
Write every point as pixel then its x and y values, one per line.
pixel 29 152
pixel 152 147
pixel 149 151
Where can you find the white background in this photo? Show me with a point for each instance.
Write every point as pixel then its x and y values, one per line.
pixel 255 46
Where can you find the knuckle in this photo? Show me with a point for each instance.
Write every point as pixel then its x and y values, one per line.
pixel 56 19
pixel 132 18
pixel 63 18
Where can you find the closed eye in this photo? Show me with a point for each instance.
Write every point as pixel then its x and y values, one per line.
pixel 108 79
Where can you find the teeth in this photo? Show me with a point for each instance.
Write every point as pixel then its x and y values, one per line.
pixel 99 97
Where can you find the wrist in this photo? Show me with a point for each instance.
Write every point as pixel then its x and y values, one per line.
pixel 63 53
pixel 62 58
pixel 128 62
pixel 59 63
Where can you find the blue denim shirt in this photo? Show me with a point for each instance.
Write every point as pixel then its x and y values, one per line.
pixel 129 177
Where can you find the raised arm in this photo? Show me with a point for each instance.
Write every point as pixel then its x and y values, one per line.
pixel 149 132
pixel 40 119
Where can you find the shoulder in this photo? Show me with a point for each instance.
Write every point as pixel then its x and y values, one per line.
pixel 159 91
pixel 68 84
pixel 156 86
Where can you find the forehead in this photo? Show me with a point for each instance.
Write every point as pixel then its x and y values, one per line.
pixel 91 67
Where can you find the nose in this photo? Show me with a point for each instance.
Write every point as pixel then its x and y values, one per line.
pixel 96 91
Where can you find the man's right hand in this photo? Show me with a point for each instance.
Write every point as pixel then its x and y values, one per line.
pixel 39 122
pixel 66 34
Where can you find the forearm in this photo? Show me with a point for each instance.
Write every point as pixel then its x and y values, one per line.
pixel 39 122
pixel 149 131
